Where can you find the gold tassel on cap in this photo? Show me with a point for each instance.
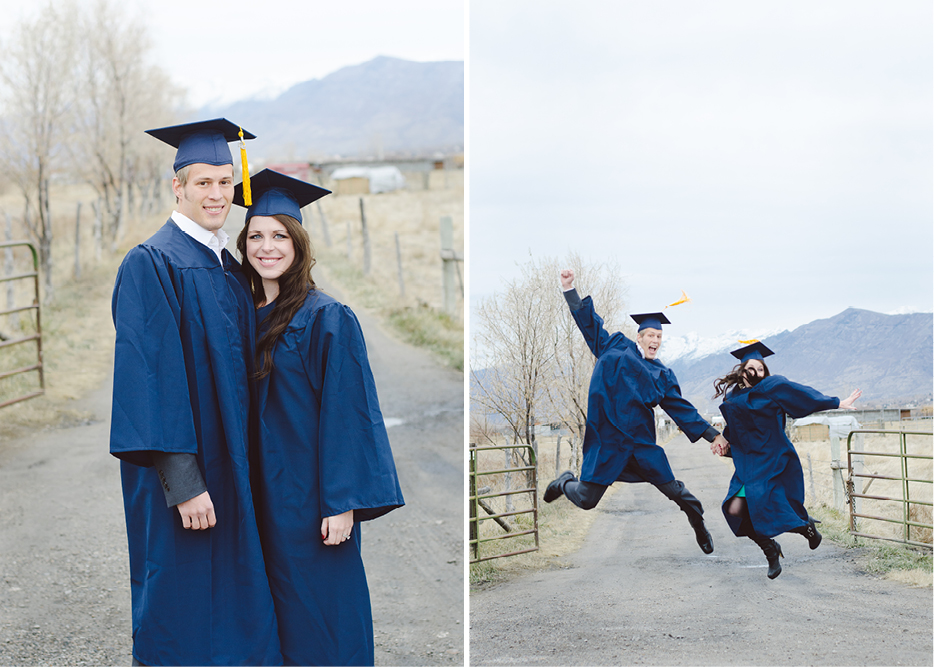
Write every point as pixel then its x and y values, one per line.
pixel 684 299
pixel 245 165
pixel 748 342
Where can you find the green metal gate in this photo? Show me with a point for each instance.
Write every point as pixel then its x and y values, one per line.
pixel 479 495
pixel 905 477
pixel 29 337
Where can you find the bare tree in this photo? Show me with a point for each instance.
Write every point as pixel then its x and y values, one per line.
pixel 121 95
pixel 514 353
pixel 568 391
pixel 530 363
pixel 35 70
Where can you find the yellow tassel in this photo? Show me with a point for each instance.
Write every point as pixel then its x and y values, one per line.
pixel 684 299
pixel 245 165
pixel 748 342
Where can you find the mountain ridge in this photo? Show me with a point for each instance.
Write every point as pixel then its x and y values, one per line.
pixel 383 106
pixel 889 357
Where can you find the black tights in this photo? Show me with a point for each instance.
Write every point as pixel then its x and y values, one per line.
pixel 737 506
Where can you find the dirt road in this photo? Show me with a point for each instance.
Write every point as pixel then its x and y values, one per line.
pixel 640 591
pixel 64 577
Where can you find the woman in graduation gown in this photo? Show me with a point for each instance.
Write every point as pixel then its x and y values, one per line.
pixel 323 461
pixel 766 494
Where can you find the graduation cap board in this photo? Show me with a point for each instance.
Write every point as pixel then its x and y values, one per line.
pixel 650 320
pixel 204 142
pixel 754 351
pixel 277 194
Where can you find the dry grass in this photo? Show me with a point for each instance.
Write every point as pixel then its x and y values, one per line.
pixel 562 526
pixel 78 333
pixel 894 561
pixel 820 458
pixel 415 215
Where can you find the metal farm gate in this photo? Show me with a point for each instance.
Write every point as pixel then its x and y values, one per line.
pixel 26 337
pixel 499 486
pixel 904 485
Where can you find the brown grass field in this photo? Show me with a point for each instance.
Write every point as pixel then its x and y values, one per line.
pixel 78 333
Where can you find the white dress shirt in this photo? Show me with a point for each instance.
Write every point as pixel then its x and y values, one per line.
pixel 216 242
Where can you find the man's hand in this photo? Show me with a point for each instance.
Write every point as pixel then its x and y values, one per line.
pixel 336 529
pixel 720 446
pixel 847 403
pixel 567 279
pixel 197 513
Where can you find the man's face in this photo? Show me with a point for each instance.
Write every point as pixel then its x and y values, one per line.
pixel 206 197
pixel 650 340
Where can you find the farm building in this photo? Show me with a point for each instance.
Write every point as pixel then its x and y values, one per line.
pixel 367 180
pixel 822 426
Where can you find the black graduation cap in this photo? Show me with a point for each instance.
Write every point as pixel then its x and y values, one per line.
pixel 650 320
pixel 278 194
pixel 754 351
pixel 204 142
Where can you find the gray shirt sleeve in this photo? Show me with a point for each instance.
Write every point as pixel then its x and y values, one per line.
pixel 710 434
pixel 573 299
pixel 179 475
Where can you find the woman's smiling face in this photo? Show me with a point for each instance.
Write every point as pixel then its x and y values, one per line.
pixel 269 247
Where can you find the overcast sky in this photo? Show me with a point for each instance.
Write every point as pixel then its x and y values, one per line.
pixel 772 159
pixel 226 51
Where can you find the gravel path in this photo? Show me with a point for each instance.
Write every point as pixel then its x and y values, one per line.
pixel 640 591
pixel 64 575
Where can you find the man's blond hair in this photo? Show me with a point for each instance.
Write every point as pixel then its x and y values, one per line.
pixel 182 175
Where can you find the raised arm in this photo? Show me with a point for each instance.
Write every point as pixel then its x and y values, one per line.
pixel 587 320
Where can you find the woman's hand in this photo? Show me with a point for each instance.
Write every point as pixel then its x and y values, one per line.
pixel 336 529
pixel 847 403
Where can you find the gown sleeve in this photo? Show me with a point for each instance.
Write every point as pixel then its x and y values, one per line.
pixel 798 400
pixel 355 465
pixel 151 405
pixel 682 411
pixel 591 326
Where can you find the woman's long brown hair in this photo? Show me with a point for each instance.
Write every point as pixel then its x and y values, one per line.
pixel 294 285
pixel 733 379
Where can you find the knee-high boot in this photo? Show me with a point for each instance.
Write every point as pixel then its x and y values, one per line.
pixel 772 551
pixel 691 506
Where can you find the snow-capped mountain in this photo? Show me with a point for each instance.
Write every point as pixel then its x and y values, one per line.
pixel 691 347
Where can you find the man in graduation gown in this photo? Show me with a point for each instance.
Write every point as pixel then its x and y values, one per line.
pixel 619 442
pixel 181 406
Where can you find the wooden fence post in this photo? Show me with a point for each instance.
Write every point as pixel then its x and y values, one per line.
pixel 836 466
pixel 97 207
pixel 324 225
pixel 399 265
pixel 449 261
pixel 366 241
pixel 78 242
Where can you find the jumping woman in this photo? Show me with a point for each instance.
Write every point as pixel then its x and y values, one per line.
pixel 766 495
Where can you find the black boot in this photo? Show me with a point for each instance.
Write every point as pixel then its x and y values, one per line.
pixel 692 507
pixel 704 540
pixel 772 551
pixel 556 488
pixel 809 531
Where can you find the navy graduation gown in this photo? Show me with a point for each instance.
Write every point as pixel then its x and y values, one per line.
pixel 184 342
pixel 619 441
pixel 323 450
pixel 764 458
